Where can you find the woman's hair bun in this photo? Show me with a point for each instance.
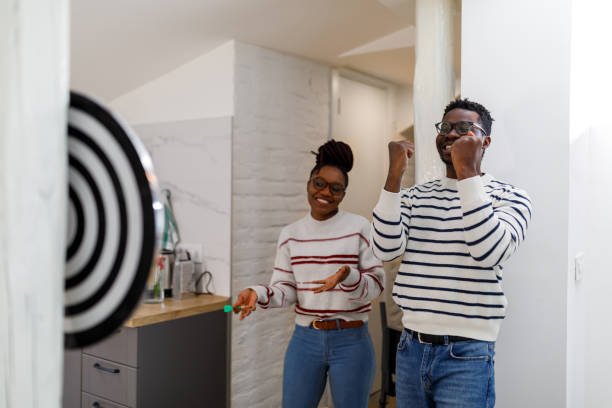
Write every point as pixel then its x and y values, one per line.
pixel 334 153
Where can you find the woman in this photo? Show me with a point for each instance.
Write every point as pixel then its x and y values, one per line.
pixel 324 264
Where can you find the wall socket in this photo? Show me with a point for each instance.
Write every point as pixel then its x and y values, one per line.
pixel 195 250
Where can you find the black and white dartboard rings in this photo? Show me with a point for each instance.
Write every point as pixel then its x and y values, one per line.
pixel 114 221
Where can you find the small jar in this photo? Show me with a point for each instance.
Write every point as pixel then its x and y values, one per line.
pixel 154 290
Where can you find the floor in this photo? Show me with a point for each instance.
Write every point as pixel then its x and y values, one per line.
pixel 374 401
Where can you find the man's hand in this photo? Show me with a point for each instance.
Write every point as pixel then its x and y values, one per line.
pixel 247 300
pixel 399 153
pixel 333 280
pixel 466 154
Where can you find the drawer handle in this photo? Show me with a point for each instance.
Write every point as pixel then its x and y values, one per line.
pixel 108 370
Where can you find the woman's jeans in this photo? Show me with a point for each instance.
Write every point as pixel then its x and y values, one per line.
pixel 458 375
pixel 346 355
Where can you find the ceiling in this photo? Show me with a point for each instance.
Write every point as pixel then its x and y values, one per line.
pixel 118 45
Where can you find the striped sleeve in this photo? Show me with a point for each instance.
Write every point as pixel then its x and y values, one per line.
pixel 282 290
pixel 493 228
pixel 367 281
pixel 390 222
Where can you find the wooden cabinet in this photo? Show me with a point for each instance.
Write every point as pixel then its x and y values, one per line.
pixel 176 363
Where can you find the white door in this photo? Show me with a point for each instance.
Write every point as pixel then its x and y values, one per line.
pixel 360 119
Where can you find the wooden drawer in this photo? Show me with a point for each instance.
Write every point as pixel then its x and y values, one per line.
pixel 121 347
pixel 92 401
pixel 110 380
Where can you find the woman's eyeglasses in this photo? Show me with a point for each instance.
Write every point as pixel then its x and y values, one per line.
pixel 320 183
pixel 462 128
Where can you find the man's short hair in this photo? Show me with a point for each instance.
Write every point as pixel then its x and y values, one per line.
pixel 485 116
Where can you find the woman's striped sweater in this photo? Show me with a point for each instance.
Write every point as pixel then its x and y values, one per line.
pixel 310 250
pixel 454 237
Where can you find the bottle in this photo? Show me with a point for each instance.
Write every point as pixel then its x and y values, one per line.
pixel 154 291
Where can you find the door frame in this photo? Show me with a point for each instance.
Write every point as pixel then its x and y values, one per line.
pixel 346 73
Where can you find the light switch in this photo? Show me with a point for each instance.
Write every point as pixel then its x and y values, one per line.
pixel 579 266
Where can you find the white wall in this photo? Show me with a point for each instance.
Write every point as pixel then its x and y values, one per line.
pixel 202 88
pixel 516 61
pixel 589 302
pixel 281 114
pixel 33 200
pixel 184 119
pixel 192 159
pixel 434 79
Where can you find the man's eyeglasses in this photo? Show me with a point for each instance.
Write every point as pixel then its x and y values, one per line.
pixel 462 128
pixel 320 183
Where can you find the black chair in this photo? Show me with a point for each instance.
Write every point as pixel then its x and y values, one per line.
pixel 390 339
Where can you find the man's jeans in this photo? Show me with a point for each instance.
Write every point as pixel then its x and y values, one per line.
pixel 458 375
pixel 346 354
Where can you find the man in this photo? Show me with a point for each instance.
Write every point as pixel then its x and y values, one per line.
pixel 454 235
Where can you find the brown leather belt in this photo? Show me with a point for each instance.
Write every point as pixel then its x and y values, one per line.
pixel 333 324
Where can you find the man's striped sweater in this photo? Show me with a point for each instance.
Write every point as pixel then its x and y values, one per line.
pixel 310 250
pixel 454 237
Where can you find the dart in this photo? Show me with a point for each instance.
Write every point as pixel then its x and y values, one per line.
pixel 229 308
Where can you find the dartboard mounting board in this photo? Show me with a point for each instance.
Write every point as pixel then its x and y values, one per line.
pixel 114 220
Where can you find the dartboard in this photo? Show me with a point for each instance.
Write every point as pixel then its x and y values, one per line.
pixel 114 220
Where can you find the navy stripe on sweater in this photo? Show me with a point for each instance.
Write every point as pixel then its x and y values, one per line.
pixel 501 210
pixel 455 278
pixel 431 197
pixel 437 241
pixel 471 292
pixel 387 235
pixel 386 249
pixel 513 201
pixel 433 189
pixel 385 221
pixel 416 251
pixel 454 302
pixel 435 207
pixel 436 265
pixel 451 314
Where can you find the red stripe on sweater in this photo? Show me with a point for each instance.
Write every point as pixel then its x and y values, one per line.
pixel 325 257
pixel 282 270
pixel 311 289
pixel 326 315
pixel 369 269
pixel 376 280
pixel 326 239
pixel 270 293
pixel 356 310
pixel 350 288
pixel 286 283
pixel 333 261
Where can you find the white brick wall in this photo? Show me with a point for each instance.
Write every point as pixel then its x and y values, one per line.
pixel 281 114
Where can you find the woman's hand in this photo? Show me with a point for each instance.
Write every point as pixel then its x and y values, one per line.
pixel 333 280
pixel 246 300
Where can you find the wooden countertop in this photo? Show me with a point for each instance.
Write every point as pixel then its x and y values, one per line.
pixel 170 309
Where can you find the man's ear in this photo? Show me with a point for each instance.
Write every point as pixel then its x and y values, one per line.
pixel 486 142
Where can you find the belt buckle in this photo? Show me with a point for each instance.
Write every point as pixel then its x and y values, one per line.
pixel 421 341
pixel 314 323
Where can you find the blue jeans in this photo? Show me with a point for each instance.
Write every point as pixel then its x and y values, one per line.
pixel 347 355
pixel 458 375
